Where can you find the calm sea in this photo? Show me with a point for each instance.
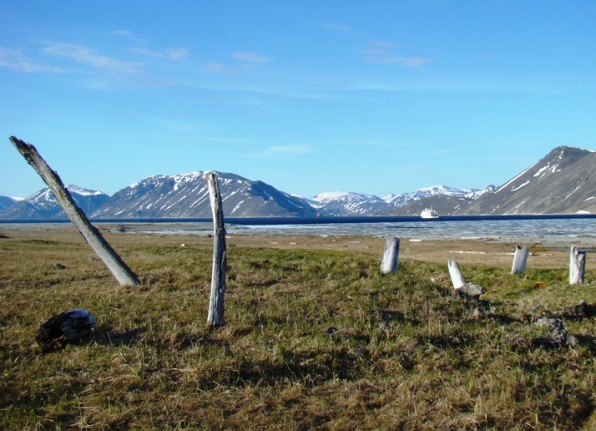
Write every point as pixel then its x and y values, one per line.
pixel 564 230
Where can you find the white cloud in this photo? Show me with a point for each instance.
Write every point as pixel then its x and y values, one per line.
pixel 174 54
pixel 12 59
pixel 177 53
pixel 127 34
pixel 381 51
pixel 90 57
pixel 243 61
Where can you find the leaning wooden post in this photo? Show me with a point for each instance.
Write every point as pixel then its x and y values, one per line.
pixel 577 266
pixel 391 256
pixel 457 279
pixel 520 259
pixel 110 258
pixel 215 316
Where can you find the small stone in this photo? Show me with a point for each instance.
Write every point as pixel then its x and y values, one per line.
pixel 559 335
pixel 470 290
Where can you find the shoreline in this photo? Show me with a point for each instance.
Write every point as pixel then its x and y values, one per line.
pixel 466 250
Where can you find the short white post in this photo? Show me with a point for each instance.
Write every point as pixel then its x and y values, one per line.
pixel 457 279
pixel 520 259
pixel 577 265
pixel 391 256
pixel 215 316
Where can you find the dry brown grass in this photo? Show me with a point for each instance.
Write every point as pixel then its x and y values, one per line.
pixel 316 337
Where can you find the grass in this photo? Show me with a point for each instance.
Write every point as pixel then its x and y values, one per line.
pixel 314 339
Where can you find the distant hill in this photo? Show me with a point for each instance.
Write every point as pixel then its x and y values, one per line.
pixel 188 196
pixel 561 182
pixel 44 206
pixel 564 181
pixel 442 198
pixel 6 202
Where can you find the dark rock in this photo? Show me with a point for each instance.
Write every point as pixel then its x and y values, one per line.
pixel 65 327
pixel 558 335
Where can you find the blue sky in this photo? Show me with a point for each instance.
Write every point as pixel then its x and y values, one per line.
pixel 309 96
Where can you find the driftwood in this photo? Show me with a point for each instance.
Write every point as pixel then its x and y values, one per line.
pixel 520 259
pixel 215 316
pixel 115 264
pixel 577 265
pixel 391 256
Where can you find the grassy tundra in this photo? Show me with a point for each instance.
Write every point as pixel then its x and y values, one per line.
pixel 315 337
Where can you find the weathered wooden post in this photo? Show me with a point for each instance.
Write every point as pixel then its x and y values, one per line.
pixel 215 316
pixel 520 260
pixel 110 258
pixel 391 255
pixel 463 289
pixel 457 279
pixel 577 265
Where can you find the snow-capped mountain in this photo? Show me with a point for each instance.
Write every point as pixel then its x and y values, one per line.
pixel 348 204
pixel 564 181
pixel 6 202
pixel 441 197
pixel 561 182
pixel 44 206
pixel 180 196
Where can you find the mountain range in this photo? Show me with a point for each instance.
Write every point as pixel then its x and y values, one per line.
pixel 561 182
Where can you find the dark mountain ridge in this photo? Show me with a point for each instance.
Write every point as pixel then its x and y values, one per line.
pixel 564 181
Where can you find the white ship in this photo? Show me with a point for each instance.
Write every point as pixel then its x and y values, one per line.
pixel 429 213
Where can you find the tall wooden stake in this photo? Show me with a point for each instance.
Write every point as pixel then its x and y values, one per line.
pixel 391 256
pixel 520 260
pixel 577 266
pixel 110 258
pixel 215 316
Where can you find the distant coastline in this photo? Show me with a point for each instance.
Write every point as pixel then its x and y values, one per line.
pixel 271 221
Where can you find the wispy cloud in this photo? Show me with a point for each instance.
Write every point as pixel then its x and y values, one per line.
pixel 173 54
pixel 15 60
pixel 337 27
pixel 90 57
pixel 381 51
pixel 177 53
pixel 127 34
pixel 241 62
